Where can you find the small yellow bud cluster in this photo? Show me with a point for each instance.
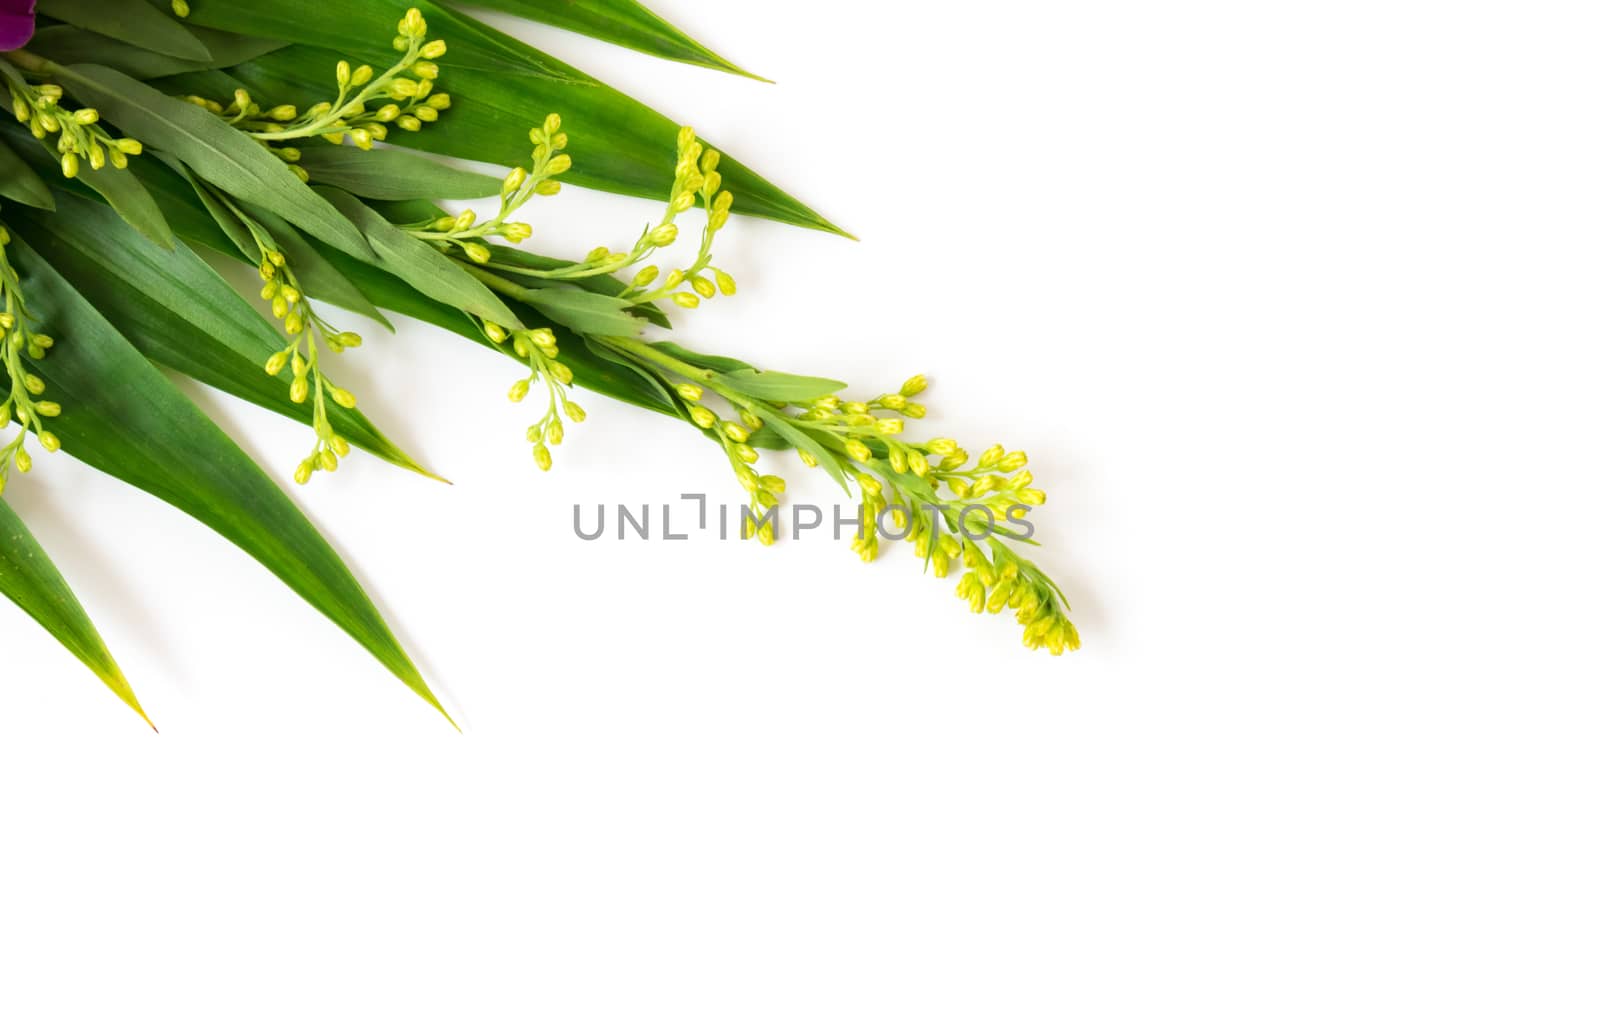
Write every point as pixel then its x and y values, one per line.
pixel 538 348
pixel 946 507
pixel 22 402
pixel 301 357
pixel 696 181
pixel 765 489
pixel 367 104
pixel 466 233
pixel 1006 582
pixel 180 8
pixel 950 507
pixel 870 428
pixel 80 137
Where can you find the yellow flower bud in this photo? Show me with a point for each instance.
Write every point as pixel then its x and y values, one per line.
pixel 725 283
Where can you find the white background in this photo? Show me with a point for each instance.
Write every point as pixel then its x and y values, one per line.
pixel 1294 307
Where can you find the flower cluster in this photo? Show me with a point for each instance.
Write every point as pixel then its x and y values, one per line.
pixel 538 349
pixel 463 236
pixel 696 181
pixel 367 103
pixel 304 327
pixel 954 509
pixel 21 403
pixel 466 233
pixel 80 138
pixel 306 331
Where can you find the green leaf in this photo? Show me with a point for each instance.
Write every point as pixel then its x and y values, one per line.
pixel 390 174
pixel 589 371
pixel 622 22
pixel 772 386
pixel 590 314
pixel 119 187
pixel 121 416
pixel 618 144
pixel 20 183
pixel 216 152
pixel 363 30
pixel 138 24
pixel 419 264
pixel 520 266
pixel 179 312
pixel 225 218
pixel 800 440
pixel 31 581
pixel 68 45
pixel 719 363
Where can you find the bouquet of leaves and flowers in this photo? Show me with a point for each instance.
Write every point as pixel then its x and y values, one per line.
pixel 153 139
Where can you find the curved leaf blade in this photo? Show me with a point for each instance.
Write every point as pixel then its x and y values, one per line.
pixel 364 29
pixel 69 45
pixel 124 418
pixel 119 187
pixel 618 144
pixel 138 24
pixel 32 582
pixel 20 183
pixel 180 313
pixel 623 22
pixel 216 152
pixel 422 266
pixel 392 174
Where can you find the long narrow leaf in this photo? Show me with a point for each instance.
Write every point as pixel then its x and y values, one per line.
pixel 392 174
pixel 419 264
pixel 215 151
pixel 588 370
pixel 69 45
pixel 123 417
pixel 617 144
pixel 623 22
pixel 31 581
pixel 180 313
pixel 118 187
pixel 363 30
pixel 20 183
pixel 138 24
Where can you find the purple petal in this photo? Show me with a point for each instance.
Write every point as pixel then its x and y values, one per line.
pixel 15 29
